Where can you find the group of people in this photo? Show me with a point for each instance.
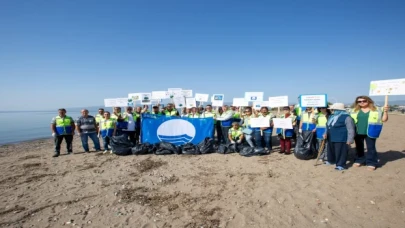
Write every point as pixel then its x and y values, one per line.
pixel 335 128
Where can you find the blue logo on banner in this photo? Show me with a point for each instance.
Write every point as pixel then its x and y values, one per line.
pixel 175 130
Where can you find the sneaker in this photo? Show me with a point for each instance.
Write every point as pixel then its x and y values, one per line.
pixel 106 151
pixel 55 155
pixel 111 152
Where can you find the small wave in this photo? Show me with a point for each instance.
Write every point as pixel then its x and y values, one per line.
pixel 176 137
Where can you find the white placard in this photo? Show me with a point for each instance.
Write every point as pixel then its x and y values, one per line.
pixel 318 100
pixel 240 102
pixel 254 96
pixel 190 102
pixel 201 97
pixel 259 104
pixel 175 92
pixel 179 102
pixel 116 102
pixel 187 93
pixel 280 101
pixel 217 100
pixel 135 96
pixel 259 122
pixel 160 95
pixel 146 98
pixel 387 87
pixel 284 123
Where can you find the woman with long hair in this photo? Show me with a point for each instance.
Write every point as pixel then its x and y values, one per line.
pixel 369 121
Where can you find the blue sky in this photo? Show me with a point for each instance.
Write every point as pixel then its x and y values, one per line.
pixel 76 53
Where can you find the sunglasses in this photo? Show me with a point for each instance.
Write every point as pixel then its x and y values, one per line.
pixel 361 101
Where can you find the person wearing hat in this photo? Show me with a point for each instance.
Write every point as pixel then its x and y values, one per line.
pixel 235 134
pixel 340 132
pixel 369 122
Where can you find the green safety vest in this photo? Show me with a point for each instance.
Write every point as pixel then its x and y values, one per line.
pixel 375 123
pixel 235 133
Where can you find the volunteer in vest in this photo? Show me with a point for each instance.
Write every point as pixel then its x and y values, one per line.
pixel 235 134
pixel 263 135
pixel 194 113
pixel 62 127
pixel 210 114
pixel 340 132
pixel 100 115
pixel 306 123
pixel 106 130
pixel 121 121
pixel 155 111
pixel 247 129
pixel 369 122
pixel 138 128
pixel 201 109
pixel 86 128
pixel 185 112
pixel 320 120
pixel 170 110
pixel 226 119
pixel 218 127
pixel 130 130
pixel 285 135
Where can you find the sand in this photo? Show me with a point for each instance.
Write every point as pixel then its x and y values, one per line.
pixel 215 190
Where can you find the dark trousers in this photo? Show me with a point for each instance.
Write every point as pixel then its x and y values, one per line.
pixel 219 132
pixel 132 136
pixel 106 142
pixel 58 142
pixel 371 159
pixel 137 135
pixel 119 132
pixel 285 145
pixel 265 140
pixel 337 153
pixel 225 131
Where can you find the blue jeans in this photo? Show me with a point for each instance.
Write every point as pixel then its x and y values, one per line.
pixel 106 142
pixel 371 159
pixel 267 139
pixel 94 138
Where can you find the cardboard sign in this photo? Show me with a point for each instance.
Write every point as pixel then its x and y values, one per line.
pixel 387 87
pixel 187 93
pixel 191 102
pixel 175 92
pixel 201 97
pixel 316 100
pixel 146 98
pixel 217 100
pixel 179 102
pixel 135 96
pixel 240 102
pixel 284 123
pixel 280 101
pixel 259 104
pixel 259 122
pixel 116 102
pixel 254 96
pixel 160 95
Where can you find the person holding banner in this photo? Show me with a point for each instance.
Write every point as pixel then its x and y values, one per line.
pixel 248 130
pixel 210 114
pixel 170 110
pixel 340 132
pixel 320 119
pixel 285 135
pixel 155 111
pixel 193 113
pixel 107 130
pixel 130 130
pixel 306 123
pixel 264 133
pixel 226 119
pixel 121 121
pixel 369 122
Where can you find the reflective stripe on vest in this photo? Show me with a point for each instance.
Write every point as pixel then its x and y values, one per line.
pixel 321 125
pixel 107 127
pixel 307 124
pixel 99 117
pixel 63 125
pixel 171 113
pixel 374 125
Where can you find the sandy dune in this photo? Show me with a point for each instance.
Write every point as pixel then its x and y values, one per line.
pixel 95 190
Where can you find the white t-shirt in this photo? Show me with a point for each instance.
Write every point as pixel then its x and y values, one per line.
pixel 131 122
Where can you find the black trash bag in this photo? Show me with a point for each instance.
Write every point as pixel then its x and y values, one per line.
pixel 305 147
pixel 120 145
pixel 179 150
pixel 153 148
pixel 233 148
pixel 247 151
pixel 141 149
pixel 191 149
pixel 206 146
pixel 222 149
pixel 165 148
pixel 241 146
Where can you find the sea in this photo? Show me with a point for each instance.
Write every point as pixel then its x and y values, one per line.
pixel 19 126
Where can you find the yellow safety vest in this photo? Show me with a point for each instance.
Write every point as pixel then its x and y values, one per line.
pixel 235 133
pixel 375 123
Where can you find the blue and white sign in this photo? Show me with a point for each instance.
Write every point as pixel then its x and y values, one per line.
pixel 316 100
pixel 175 130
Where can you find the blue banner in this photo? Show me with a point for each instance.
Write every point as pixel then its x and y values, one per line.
pixel 175 130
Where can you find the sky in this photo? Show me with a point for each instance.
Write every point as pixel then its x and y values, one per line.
pixel 76 53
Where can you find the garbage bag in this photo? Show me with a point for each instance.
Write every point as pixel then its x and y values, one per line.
pixel 206 146
pixel 189 148
pixel 233 148
pixel 222 149
pixel 305 147
pixel 120 145
pixel 166 148
pixel 141 149
pixel 250 151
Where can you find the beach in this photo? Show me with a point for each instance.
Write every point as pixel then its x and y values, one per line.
pixel 213 190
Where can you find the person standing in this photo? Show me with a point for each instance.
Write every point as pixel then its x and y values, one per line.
pixel 106 130
pixel 62 127
pixel 138 125
pixel 170 110
pixel 340 131
pixel 320 119
pixel 121 121
pixel 86 127
pixel 285 135
pixel 248 130
pixel 306 123
pixel 226 119
pixel 369 122
pixel 210 114
pixel 100 115
pixel 263 135
pixel 130 131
